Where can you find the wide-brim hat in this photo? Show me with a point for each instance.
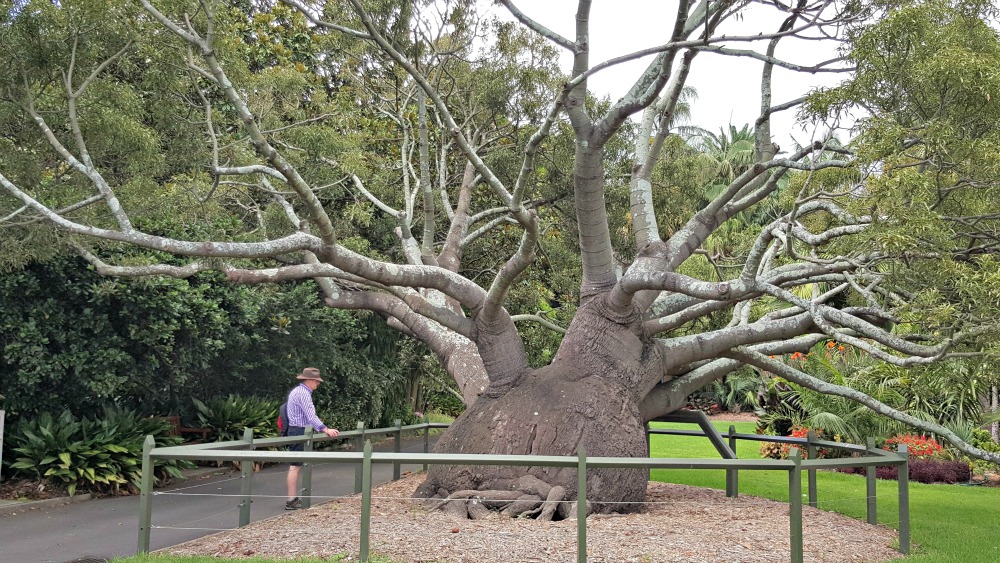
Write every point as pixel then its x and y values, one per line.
pixel 309 373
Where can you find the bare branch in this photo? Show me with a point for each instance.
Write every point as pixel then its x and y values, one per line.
pixel 538 28
pixel 114 205
pixel 540 320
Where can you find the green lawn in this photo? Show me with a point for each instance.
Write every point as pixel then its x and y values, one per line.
pixel 947 522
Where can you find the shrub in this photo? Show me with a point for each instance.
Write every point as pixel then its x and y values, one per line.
pixel 919 447
pixel 983 440
pixel 780 451
pixel 920 470
pixel 230 416
pixel 703 400
pixel 100 454
pixel 770 450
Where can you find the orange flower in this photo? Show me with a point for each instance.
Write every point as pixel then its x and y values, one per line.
pixel 841 348
pixel 830 344
pixel 797 356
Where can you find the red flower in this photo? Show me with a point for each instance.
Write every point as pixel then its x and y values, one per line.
pixel 920 447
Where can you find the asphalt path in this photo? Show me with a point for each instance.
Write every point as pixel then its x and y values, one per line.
pixel 100 529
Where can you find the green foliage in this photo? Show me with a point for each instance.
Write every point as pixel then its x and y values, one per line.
pixel 947 392
pixel 723 157
pixel 927 80
pixel 439 396
pixel 73 339
pixel 228 417
pixel 99 454
pixel 983 440
pixel 737 392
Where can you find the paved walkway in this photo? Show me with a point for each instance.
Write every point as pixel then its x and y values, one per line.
pixel 99 529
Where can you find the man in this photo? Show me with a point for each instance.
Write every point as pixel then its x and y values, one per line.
pixel 302 413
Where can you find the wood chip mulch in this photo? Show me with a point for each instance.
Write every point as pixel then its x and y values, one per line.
pixel 681 524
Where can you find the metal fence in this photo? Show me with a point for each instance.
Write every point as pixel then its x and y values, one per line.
pixel 246 453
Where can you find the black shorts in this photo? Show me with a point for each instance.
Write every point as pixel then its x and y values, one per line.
pixel 300 447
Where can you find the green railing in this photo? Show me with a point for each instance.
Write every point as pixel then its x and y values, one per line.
pixel 244 451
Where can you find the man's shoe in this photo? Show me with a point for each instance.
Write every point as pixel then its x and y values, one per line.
pixel 293 504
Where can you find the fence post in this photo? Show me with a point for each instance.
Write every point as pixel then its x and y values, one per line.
pixel 366 501
pixel 146 496
pixel 427 436
pixel 811 474
pixel 246 480
pixel 795 505
pixel 307 470
pixel 732 475
pixel 581 505
pixel 2 414
pixel 649 450
pixel 397 446
pixel 871 490
pixel 359 445
pixel 903 479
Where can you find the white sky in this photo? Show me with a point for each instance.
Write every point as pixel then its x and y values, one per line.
pixel 728 87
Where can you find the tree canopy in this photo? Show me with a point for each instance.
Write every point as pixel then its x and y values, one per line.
pixel 558 252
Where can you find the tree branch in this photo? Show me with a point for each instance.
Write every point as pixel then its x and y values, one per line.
pixel 537 27
pixel 800 378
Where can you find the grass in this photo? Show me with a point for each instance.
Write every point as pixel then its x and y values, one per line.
pixel 948 523
pixel 434 416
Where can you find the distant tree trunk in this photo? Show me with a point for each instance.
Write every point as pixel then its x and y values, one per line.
pixel 995 427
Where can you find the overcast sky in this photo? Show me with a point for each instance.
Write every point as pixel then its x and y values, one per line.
pixel 728 87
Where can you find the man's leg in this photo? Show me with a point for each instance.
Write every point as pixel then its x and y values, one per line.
pixel 293 481
pixel 293 502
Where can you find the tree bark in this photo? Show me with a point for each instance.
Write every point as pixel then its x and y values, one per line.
pixel 995 427
pixel 588 396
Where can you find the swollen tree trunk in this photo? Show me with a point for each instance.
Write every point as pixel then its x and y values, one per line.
pixel 588 397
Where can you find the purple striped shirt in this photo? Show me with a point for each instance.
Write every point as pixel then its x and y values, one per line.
pixel 301 411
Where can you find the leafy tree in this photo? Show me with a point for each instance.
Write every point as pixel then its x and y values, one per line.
pixel 73 339
pixel 493 180
pixel 725 155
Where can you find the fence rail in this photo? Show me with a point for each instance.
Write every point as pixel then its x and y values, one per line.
pixel 244 451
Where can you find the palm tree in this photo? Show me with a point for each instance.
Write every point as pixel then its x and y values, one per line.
pixel 724 156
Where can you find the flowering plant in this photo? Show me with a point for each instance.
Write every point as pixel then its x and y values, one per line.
pixel 780 451
pixel 920 447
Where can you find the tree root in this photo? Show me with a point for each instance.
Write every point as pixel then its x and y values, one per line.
pixel 525 501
